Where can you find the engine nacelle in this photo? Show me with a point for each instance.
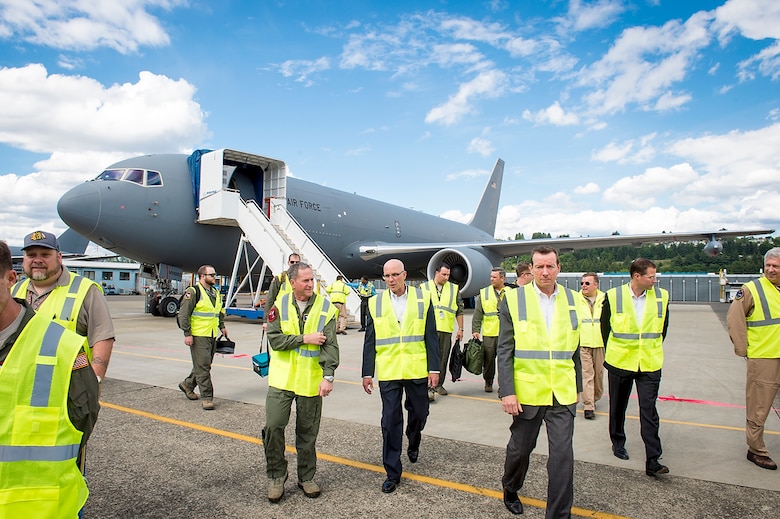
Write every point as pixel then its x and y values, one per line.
pixel 713 248
pixel 469 268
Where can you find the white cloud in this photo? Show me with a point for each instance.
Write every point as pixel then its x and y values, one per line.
pixel 757 20
pixel 122 25
pixel 588 189
pixel 481 146
pixel 598 14
pixel 45 113
pixel 641 190
pixel 302 69
pixel 489 83
pixel 553 114
pixel 644 64
pixel 84 126
pixel 628 152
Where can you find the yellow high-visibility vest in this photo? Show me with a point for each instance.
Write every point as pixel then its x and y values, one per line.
pixel 400 347
pixel 445 305
pixel 590 323
pixel 64 303
pixel 204 321
pixel 39 476
pixel 299 370
pixel 631 346
pixel 489 301
pixel 763 325
pixel 543 364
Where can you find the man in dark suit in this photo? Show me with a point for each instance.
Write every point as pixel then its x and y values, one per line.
pixel 402 346
pixel 540 377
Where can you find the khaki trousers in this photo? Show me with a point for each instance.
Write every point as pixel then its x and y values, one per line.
pixel 592 376
pixel 342 319
pixel 762 383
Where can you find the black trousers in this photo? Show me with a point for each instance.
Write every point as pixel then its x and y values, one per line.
pixel 559 420
pixel 363 311
pixel 417 406
pixel 647 384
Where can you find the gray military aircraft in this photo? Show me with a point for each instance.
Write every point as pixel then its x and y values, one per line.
pixel 146 208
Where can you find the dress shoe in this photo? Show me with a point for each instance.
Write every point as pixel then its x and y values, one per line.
pixel 310 489
pixel 187 392
pixel 488 388
pixel 590 414
pixel 389 486
pixel 441 390
pixel 413 455
pixel 512 502
pixel 208 405
pixel 362 330
pixel 620 452
pixel 276 489
pixel 765 462
pixel 655 469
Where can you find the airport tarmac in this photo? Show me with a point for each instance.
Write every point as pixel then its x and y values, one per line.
pixel 156 454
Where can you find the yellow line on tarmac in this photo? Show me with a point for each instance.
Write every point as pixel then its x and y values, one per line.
pixel 465 397
pixel 443 483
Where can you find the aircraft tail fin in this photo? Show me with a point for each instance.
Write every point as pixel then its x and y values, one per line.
pixel 72 242
pixel 487 210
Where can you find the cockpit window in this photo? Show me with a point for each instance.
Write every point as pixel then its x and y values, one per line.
pixel 137 176
pixel 153 178
pixel 134 175
pixel 111 174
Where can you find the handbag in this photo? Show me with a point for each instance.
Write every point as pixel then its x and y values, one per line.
pixel 456 361
pixel 472 356
pixel 261 361
pixel 225 345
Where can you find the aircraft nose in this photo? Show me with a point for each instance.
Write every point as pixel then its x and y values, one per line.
pixel 80 208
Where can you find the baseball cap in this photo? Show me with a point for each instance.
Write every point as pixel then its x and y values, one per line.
pixel 41 239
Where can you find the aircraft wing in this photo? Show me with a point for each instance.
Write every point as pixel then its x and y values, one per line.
pixel 519 247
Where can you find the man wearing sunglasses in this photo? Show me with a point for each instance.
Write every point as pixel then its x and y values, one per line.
pixel 591 343
pixel 279 285
pixel 201 318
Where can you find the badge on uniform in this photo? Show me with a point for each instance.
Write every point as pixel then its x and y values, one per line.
pixel 272 315
pixel 187 295
pixel 739 294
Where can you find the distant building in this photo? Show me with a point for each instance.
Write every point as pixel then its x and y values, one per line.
pixel 115 277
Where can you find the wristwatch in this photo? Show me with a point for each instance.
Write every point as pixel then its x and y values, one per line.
pixel 329 378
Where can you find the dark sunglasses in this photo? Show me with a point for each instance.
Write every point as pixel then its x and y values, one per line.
pixel 586 283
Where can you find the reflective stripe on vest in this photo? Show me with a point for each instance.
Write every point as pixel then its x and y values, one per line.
pixel 543 364
pixel 204 320
pixel 635 342
pixel 489 301
pixel 299 370
pixel 445 312
pixel 763 324
pixel 590 324
pixel 63 303
pixel 38 442
pixel 400 347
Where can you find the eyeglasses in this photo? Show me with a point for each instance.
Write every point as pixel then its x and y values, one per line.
pixel 585 283
pixel 393 275
pixel 212 274
pixel 293 262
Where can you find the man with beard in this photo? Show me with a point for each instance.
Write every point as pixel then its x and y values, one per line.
pixel 74 301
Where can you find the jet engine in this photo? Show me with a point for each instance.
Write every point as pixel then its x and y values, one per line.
pixel 713 248
pixel 469 268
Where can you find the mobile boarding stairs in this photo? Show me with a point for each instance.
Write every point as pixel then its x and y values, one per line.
pixel 271 230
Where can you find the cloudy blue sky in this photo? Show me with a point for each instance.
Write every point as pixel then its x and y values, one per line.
pixel 633 116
